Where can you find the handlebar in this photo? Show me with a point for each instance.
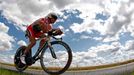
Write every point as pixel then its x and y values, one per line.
pixel 49 36
pixel 59 39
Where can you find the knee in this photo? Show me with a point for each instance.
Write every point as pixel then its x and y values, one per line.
pixel 33 43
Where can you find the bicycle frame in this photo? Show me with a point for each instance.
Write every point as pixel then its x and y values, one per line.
pixel 35 57
pixel 47 43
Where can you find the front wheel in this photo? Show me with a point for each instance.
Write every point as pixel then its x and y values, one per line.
pixel 62 61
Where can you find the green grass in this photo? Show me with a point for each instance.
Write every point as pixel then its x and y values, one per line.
pixel 132 73
pixel 9 72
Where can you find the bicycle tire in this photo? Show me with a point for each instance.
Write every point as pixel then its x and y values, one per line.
pixel 69 52
pixel 18 64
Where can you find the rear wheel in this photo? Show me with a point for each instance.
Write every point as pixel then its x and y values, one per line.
pixel 18 64
pixel 57 65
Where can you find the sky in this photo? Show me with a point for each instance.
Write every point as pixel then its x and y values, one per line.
pixel 98 31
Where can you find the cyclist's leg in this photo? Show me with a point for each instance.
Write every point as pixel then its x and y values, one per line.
pixel 32 40
pixel 42 42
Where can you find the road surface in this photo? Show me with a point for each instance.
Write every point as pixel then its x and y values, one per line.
pixel 124 69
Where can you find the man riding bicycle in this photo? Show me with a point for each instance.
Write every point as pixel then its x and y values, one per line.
pixel 37 30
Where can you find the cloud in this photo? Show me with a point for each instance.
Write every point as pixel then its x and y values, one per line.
pixel 85 37
pixel 3 28
pixel 103 54
pixel 22 43
pixel 111 38
pixel 120 15
pixel 25 13
pixel 5 39
pixel 119 21
pixel 62 3
pixel 129 45
pixel 6 58
pixel 88 13
pixel 21 12
pixel 99 55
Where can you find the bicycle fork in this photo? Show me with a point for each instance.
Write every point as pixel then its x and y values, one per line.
pixel 52 50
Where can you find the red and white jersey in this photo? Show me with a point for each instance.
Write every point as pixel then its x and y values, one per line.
pixel 46 26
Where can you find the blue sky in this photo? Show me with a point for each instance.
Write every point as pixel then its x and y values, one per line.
pixel 90 27
pixel 81 44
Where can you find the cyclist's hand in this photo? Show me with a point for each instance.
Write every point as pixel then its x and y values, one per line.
pixel 58 32
pixel 55 32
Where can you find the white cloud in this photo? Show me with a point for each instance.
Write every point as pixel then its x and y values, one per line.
pixel 97 38
pixel 88 15
pixel 62 3
pixel 3 28
pixel 6 58
pixel 22 43
pixel 5 39
pixel 121 18
pixel 120 15
pixel 103 54
pixel 22 12
pixel 130 45
pixel 61 27
pixel 99 55
pixel 89 37
pixel 79 28
pixel 110 38
pixel 85 37
pixel 25 13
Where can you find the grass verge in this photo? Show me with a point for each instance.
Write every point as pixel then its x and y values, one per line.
pixel 9 72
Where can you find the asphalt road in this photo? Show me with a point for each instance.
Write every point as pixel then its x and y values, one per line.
pixel 126 69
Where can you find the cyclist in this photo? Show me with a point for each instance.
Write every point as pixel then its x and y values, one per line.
pixel 37 30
